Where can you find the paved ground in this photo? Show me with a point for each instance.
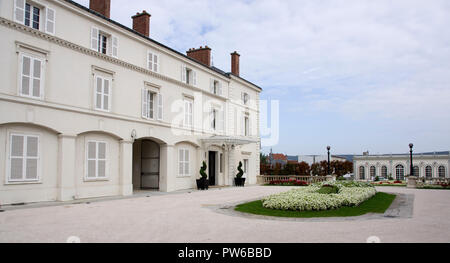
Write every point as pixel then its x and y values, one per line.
pixel 190 217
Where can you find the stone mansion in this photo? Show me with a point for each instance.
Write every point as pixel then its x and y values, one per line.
pixel 92 108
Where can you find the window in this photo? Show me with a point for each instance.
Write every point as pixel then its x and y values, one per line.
pixel 34 16
pixel 183 162
pixel 400 172
pixel 96 160
pixel 441 171
pixel 152 105
pixel 188 76
pixel 428 172
pixel 215 87
pixel 188 113
pixel 245 98
pixel 416 171
pixel 362 173
pixel 104 43
pixel 213 119
pixel 221 164
pixel 246 166
pixel 23 158
pixel 102 93
pixel 153 62
pixel 384 171
pixel 31 76
pixel 373 172
pixel 246 126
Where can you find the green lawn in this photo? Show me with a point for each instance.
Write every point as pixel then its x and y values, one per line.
pixel 377 204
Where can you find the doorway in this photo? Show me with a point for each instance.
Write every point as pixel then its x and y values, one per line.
pixel 146 165
pixel 212 167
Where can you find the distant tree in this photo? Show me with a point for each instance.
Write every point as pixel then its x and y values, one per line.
pixel 303 168
pixel 341 168
pixel 263 159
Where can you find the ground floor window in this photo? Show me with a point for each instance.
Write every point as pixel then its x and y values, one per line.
pixel 416 171
pixel 384 171
pixel 246 166
pixel 428 172
pixel 373 172
pixel 441 171
pixel 23 158
pixel 183 162
pixel 362 173
pixel 96 160
pixel 400 172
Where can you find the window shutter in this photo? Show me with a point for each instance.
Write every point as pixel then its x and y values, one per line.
pixel 106 93
pixel 249 126
pixel 180 162
pixel 221 120
pixel 37 75
pixel 211 85
pixel 50 17
pixel 194 78
pixel 115 46
pixel 94 38
pixel 160 107
pixel 144 104
pixel 155 63
pixel 26 76
pixel 149 60
pixel 219 92
pixel 16 157
pixel 91 159
pixel 183 73
pixel 19 11
pixel 186 162
pixel 101 159
pixel 98 92
pixel 32 158
pixel 242 124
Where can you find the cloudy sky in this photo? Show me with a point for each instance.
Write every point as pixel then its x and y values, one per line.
pixel 354 74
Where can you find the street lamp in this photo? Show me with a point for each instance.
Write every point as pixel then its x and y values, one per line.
pixel 328 148
pixel 411 159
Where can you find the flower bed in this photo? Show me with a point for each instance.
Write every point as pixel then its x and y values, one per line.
pixel 288 182
pixel 309 198
pixel 389 183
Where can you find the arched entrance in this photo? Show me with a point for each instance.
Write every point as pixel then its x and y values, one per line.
pixel 146 164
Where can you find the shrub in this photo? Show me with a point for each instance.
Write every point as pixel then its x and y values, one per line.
pixel 398 182
pixel 202 171
pixel 288 182
pixel 241 172
pixel 328 189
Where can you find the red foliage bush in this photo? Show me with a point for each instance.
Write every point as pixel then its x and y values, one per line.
pixel 398 182
pixel 289 182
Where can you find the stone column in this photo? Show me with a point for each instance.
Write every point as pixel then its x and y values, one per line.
pixel 167 171
pixel 66 167
pixel 231 166
pixel 126 168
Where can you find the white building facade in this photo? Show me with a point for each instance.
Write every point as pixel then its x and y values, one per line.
pixel 91 108
pixel 397 166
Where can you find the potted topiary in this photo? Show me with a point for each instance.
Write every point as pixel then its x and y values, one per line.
pixel 238 180
pixel 203 182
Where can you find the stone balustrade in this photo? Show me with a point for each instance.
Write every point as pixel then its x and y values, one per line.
pixel 266 179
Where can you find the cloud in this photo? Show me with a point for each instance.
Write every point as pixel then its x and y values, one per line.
pixel 360 59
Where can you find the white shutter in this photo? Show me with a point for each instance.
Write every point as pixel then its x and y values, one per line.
pixel 211 118
pixel 186 162
pixel 155 63
pixel 249 126
pixel 25 80
pixel 144 104
pixel 180 162
pixel 211 85
pixel 219 91
pixel 160 107
pixel 91 161
pixel 221 120
pixel 98 92
pixel 19 11
pixel 242 124
pixel 194 78
pixel 94 38
pixel 115 46
pixel 106 94
pixel 17 157
pixel 150 60
pixel 37 67
pixel 183 73
pixel 50 17
pixel 32 158
pixel 101 159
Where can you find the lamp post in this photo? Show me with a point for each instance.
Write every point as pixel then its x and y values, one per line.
pixel 328 148
pixel 411 171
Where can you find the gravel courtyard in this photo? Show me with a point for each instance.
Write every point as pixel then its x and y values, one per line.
pixel 189 217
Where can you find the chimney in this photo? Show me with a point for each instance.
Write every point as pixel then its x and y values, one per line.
pixel 101 6
pixel 141 23
pixel 235 63
pixel 202 55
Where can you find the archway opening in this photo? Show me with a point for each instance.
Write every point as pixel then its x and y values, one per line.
pixel 146 165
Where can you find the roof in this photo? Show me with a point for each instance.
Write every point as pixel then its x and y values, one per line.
pixel 279 156
pixel 406 154
pixel 292 158
pixel 228 75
